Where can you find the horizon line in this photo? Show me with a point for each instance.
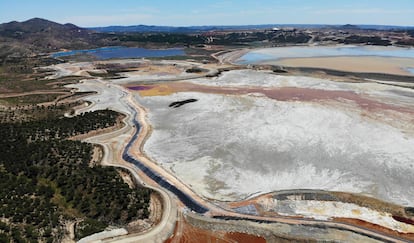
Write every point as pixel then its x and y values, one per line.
pixel 208 25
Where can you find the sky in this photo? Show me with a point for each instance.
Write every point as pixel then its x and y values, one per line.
pixel 93 13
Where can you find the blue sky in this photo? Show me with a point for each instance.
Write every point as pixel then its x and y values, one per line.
pixel 89 13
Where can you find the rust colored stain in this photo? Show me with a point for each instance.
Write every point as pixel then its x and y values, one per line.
pixel 186 233
pixel 280 94
pixel 173 237
pixel 368 225
pixel 404 220
pixel 153 90
pixel 244 238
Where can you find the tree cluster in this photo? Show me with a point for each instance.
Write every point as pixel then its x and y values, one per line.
pixel 47 180
pixel 369 40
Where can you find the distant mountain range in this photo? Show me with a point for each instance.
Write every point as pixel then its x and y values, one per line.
pixel 40 35
pixel 44 33
pixel 172 29
pixel 194 29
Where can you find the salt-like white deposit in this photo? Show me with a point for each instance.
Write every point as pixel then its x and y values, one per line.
pixel 107 97
pixel 326 210
pixel 269 54
pixel 229 147
pixel 251 78
pixel 245 78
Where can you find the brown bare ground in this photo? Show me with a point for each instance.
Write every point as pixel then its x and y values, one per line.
pixel 186 233
pixel 375 227
pixel 126 177
pixel 356 199
pixel 37 92
pixel 157 70
pixel 97 154
pixel 387 65
pixel 156 208
pixel 370 202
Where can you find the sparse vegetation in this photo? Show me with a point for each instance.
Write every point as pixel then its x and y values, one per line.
pixel 24 113
pixel 409 211
pixel 369 40
pixel 19 75
pixel 88 227
pixel 195 70
pixel 31 99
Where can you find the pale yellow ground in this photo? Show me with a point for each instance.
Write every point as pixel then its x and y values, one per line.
pixel 353 64
pixel 158 90
pixel 157 70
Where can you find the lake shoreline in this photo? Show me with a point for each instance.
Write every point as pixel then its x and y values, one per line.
pixel 364 64
pixel 111 52
pixel 347 58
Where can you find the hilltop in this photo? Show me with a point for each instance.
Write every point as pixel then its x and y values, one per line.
pixel 207 28
pixel 40 35
pixel 36 36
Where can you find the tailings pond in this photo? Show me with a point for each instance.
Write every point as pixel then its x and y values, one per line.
pixel 123 52
pixel 273 54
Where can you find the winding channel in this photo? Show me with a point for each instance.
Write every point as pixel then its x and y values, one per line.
pixel 196 207
pixel 218 213
pixel 184 198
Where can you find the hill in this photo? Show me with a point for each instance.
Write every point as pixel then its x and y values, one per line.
pixel 189 29
pixel 36 36
pixel 40 35
pixel 207 28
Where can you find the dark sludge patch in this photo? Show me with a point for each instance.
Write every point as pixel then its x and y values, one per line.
pixel 140 87
pixel 177 104
pixel 403 219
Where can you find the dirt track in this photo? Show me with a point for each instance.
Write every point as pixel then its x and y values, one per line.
pixel 38 92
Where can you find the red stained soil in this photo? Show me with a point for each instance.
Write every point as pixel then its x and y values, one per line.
pixel 280 94
pixel 244 238
pixel 364 224
pixel 186 233
pixel 404 220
